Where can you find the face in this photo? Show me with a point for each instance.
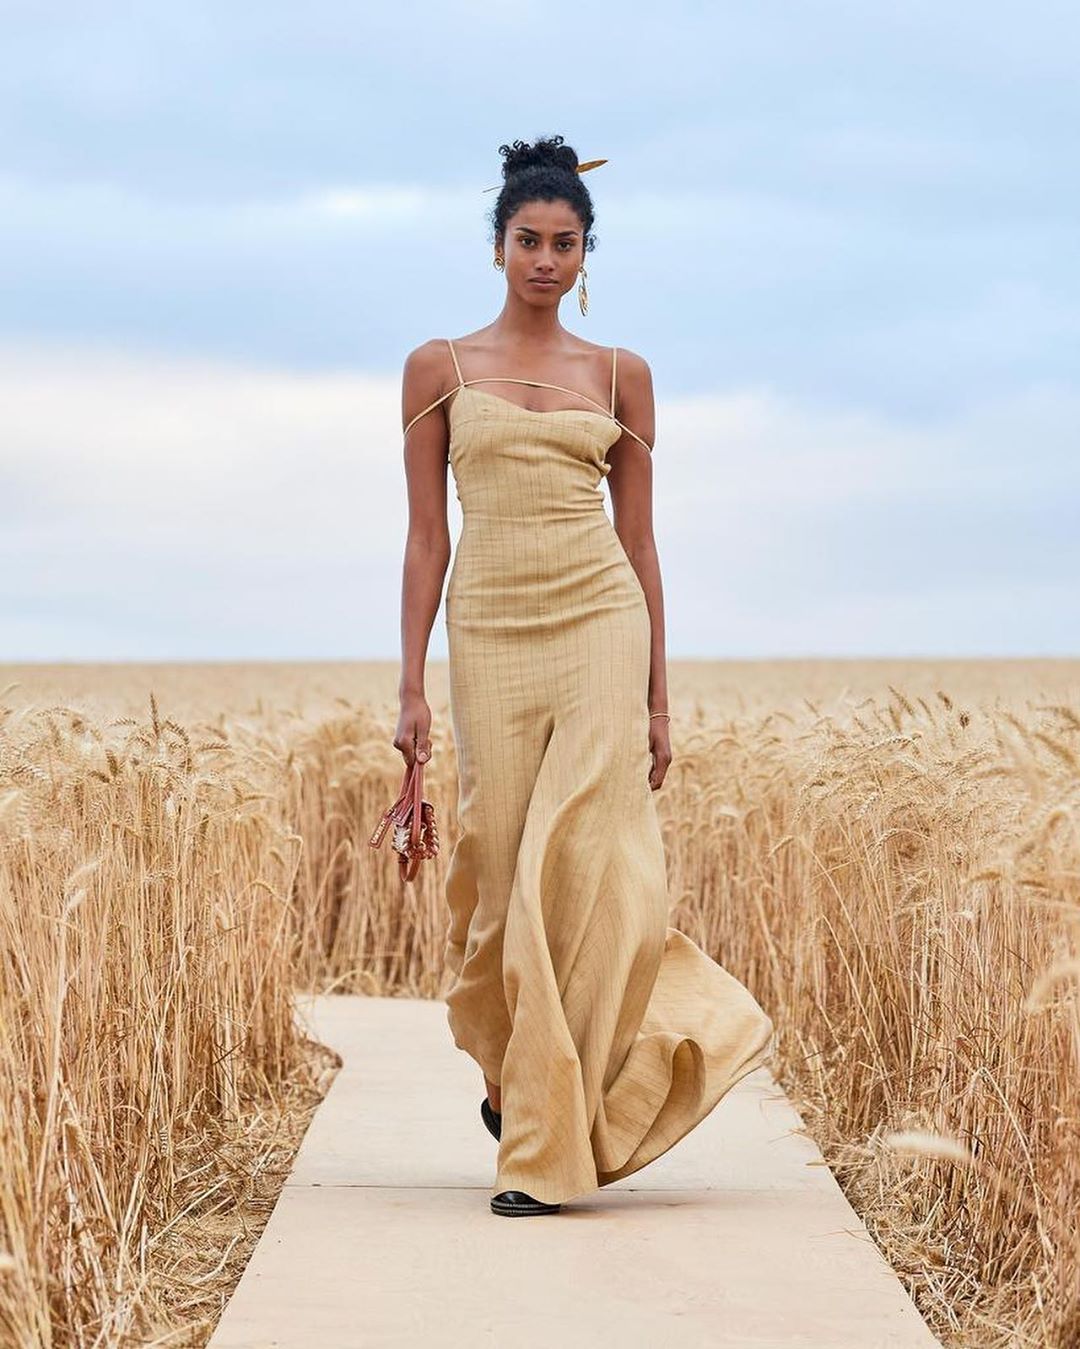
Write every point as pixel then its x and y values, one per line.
pixel 543 248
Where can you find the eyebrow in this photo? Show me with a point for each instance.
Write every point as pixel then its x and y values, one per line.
pixel 527 229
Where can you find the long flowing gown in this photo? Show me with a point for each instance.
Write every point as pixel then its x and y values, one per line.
pixel 610 1033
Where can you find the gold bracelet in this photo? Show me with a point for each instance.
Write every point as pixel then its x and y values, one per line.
pixel 660 714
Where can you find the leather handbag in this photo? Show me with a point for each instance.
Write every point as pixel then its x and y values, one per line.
pixel 414 835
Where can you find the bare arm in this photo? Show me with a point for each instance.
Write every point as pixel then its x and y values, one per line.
pixel 630 484
pixel 427 544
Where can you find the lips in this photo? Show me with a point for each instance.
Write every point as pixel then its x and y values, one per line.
pixel 542 280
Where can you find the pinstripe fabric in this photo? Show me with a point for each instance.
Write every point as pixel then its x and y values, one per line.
pixel 610 1033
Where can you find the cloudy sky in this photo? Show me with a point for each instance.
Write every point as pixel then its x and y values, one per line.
pixel 844 237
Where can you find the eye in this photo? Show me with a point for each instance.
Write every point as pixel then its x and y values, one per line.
pixel 565 245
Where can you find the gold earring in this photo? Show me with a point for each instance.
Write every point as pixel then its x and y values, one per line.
pixel 582 294
pixel 497 262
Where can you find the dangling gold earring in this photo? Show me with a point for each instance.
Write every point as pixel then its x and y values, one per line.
pixel 497 262
pixel 582 294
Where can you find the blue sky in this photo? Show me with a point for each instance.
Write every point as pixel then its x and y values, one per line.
pixel 844 237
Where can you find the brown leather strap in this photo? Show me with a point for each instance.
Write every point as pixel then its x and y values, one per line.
pixel 410 794
pixel 417 800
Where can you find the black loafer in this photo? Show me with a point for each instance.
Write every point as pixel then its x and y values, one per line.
pixel 518 1204
pixel 492 1118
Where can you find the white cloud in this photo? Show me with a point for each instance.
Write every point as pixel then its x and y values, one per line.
pixel 171 507
pixel 196 445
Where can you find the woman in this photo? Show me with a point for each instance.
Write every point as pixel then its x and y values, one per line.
pixel 603 1034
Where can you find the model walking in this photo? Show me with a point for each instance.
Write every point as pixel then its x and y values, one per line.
pixel 604 1035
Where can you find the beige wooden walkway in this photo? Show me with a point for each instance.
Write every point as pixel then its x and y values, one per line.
pixel 383 1235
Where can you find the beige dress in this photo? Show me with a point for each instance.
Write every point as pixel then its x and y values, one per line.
pixel 611 1034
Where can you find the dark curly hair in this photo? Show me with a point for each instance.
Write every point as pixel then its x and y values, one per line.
pixel 546 170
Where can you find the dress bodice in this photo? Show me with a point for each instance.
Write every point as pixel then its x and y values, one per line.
pixel 608 415
pixel 509 461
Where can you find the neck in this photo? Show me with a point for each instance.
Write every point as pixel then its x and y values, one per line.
pixel 527 324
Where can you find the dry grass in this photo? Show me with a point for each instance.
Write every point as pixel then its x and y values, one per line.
pixel 150 1073
pixel 895 871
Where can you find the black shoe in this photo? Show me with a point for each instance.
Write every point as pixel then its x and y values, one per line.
pixel 516 1203
pixel 492 1118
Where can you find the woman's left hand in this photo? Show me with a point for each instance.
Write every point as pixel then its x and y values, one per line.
pixel 660 749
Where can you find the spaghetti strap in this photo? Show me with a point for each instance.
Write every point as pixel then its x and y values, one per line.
pixel 626 429
pixel 442 397
pixel 457 367
pixel 639 440
pixel 427 410
pixel 541 384
pixel 533 384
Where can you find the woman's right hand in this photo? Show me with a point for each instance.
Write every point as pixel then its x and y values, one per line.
pixel 413 737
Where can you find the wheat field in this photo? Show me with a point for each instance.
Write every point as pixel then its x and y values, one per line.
pixel 887 853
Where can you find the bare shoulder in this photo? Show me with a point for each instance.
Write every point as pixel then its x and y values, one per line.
pixel 634 389
pixel 634 404
pixel 426 362
pixel 631 370
pixel 426 374
pixel 635 369
pixel 427 379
